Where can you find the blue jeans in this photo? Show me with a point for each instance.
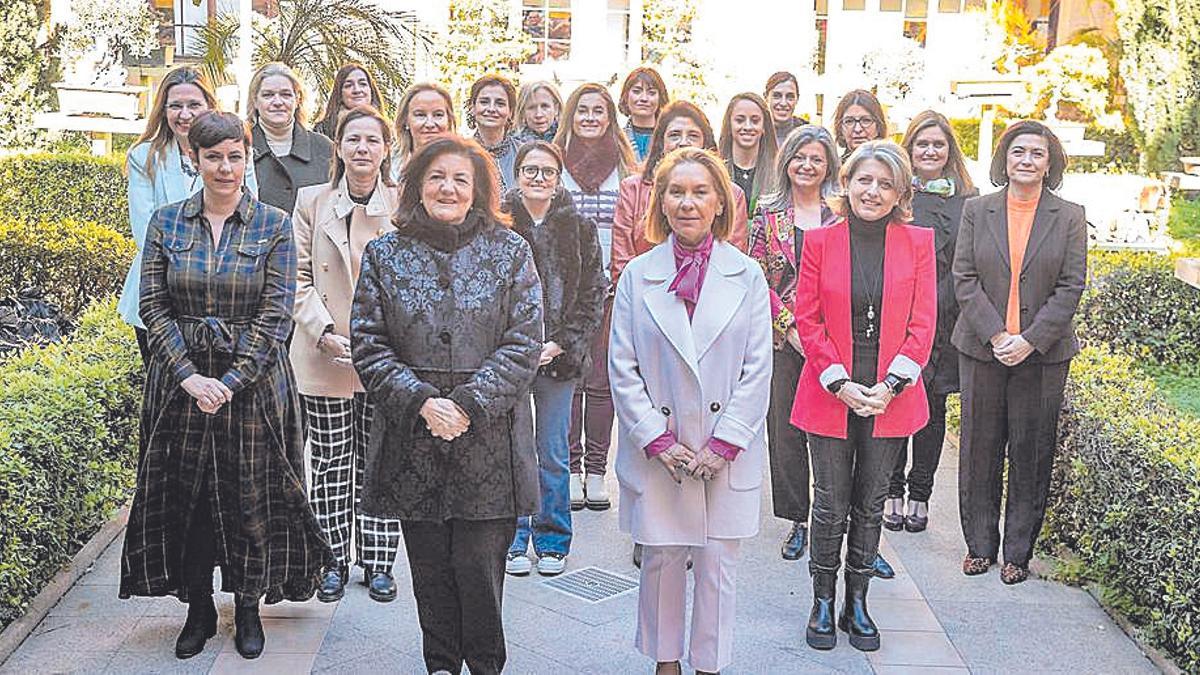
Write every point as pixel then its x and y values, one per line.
pixel 551 527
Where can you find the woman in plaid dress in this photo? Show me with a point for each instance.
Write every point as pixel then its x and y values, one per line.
pixel 220 480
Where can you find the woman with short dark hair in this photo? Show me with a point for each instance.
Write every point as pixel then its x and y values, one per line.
pixel 858 118
pixel 781 93
pixel 942 186
pixel 492 113
pixel 353 85
pixel 643 96
pixel 287 156
pixel 1020 267
pixel 220 475
pixel 446 332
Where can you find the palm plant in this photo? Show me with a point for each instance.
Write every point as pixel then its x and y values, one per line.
pixel 316 37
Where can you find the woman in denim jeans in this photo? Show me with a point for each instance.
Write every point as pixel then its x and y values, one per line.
pixel 567 255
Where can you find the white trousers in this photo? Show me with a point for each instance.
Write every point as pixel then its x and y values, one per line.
pixel 662 602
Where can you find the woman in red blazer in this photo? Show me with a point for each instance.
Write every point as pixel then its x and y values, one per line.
pixel 866 309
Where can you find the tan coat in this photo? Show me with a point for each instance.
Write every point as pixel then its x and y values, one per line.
pixel 324 282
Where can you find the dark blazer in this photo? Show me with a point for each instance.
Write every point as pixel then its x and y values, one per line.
pixel 1052 276
pixel 280 178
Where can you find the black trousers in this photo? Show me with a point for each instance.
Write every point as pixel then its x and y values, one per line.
pixel 458 580
pixel 926 454
pixel 1009 412
pixel 787 445
pixel 850 480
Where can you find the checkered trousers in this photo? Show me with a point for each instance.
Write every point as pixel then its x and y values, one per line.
pixel 337 435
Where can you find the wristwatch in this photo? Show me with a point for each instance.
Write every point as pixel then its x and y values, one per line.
pixel 895 383
pixel 836 386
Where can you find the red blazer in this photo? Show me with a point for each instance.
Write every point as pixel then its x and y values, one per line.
pixel 907 324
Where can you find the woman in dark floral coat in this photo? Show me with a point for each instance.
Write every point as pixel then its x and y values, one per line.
pixel 446 332
pixel 220 479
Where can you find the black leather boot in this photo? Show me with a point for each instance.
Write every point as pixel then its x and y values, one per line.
pixel 201 624
pixel 855 620
pixel 248 634
pixel 821 632
pixel 882 568
pixel 796 542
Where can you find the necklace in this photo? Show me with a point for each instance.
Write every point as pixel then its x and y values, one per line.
pixel 872 289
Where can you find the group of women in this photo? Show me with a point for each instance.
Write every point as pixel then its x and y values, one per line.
pixel 451 325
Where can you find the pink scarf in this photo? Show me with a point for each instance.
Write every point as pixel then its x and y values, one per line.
pixel 690 267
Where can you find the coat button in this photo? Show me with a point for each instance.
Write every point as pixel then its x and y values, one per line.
pixel 666 411
pixel 715 407
pixel 444 336
pixel 1023 277
pixel 325 297
pixel 1024 310
pixel 325 266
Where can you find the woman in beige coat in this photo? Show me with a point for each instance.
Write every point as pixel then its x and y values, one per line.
pixel 333 223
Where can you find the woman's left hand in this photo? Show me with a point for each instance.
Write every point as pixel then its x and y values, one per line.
pixel 550 350
pixel 880 396
pixel 706 464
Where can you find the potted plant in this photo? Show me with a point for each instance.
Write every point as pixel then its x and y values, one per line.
pixel 95 40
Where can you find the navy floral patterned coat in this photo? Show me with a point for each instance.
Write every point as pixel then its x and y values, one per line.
pixel 451 311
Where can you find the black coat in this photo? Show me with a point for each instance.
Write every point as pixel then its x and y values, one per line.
pixel 943 216
pixel 280 178
pixel 566 250
pixel 453 312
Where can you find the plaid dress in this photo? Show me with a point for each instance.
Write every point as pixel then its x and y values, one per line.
pixel 223 311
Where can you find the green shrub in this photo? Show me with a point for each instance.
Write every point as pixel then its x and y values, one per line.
pixel 1121 153
pixel 1134 302
pixel 68 447
pixel 1184 223
pixel 1126 498
pixel 74 186
pixel 71 261
pixel 967 133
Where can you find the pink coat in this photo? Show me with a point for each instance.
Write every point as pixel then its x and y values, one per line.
pixel 704 378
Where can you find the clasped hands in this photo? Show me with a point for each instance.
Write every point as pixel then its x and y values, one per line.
pixel 210 393
pixel 444 418
pixel 336 348
pixel 1010 349
pixel 679 459
pixel 865 401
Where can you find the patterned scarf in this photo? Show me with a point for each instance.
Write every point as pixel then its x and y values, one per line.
pixel 591 161
pixel 690 267
pixel 944 186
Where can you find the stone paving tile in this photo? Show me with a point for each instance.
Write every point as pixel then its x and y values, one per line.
pixel 79 634
pixel 155 635
pixel 229 663
pixel 164 662
pixel 107 568
pixel 909 615
pixel 56 661
pixel 919 670
pixel 913 648
pixel 288 636
pixel 96 600
pixel 371 663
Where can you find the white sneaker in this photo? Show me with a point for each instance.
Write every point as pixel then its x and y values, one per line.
pixel 518 564
pixel 577 497
pixel 550 564
pixel 595 493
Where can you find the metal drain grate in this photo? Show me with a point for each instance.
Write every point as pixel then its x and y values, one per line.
pixel 591 584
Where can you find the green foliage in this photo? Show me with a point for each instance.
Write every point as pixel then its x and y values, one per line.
pixel 21 90
pixel 1184 223
pixel 1160 67
pixel 68 447
pixel 1125 498
pixel 667 44
pixel 478 40
pixel 1180 386
pixel 967 132
pixel 1121 153
pixel 72 261
pixel 76 186
pixel 1135 303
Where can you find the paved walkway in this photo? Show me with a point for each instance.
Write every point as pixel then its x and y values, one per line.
pixel 934 620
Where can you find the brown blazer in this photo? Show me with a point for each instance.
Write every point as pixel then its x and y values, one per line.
pixel 1052 276
pixel 324 285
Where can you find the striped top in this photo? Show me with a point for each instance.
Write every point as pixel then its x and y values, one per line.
pixel 599 206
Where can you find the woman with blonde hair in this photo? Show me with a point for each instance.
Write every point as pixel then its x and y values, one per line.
pixel 748 144
pixel 690 372
pixel 865 309
pixel 162 170
pixel 287 156
pixel 539 108
pixel 426 113
pixel 596 157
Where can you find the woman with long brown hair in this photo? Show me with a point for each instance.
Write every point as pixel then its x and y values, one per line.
pixel 748 144
pixel 353 85
pixel 782 92
pixel 597 157
pixel 161 170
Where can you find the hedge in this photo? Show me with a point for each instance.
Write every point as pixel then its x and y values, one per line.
pixel 1134 302
pixel 72 186
pixel 1126 499
pixel 71 261
pixel 68 448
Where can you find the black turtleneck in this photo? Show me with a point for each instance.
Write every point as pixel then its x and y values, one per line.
pixel 866 275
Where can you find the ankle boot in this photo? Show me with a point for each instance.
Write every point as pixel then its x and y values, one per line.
pixel 855 620
pixel 201 624
pixel 821 632
pixel 248 631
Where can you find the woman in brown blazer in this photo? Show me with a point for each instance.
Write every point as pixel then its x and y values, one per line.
pixel 1019 269
pixel 332 224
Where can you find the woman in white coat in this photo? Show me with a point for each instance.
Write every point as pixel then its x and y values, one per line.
pixel 690 367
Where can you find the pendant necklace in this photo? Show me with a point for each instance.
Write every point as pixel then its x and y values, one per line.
pixel 871 292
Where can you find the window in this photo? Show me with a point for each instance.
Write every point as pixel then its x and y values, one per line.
pixel 821 7
pixel 915 26
pixel 854 5
pixel 890 5
pixel 915 30
pixel 822 40
pixel 916 9
pixel 548 22
pixel 617 26
pixel 975 4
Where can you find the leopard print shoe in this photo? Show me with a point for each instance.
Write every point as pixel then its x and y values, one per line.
pixel 973 566
pixel 1013 574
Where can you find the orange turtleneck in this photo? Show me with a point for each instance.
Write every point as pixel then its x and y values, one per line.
pixel 1020 223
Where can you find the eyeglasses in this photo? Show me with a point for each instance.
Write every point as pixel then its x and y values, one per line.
pixel 861 122
pixel 531 172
